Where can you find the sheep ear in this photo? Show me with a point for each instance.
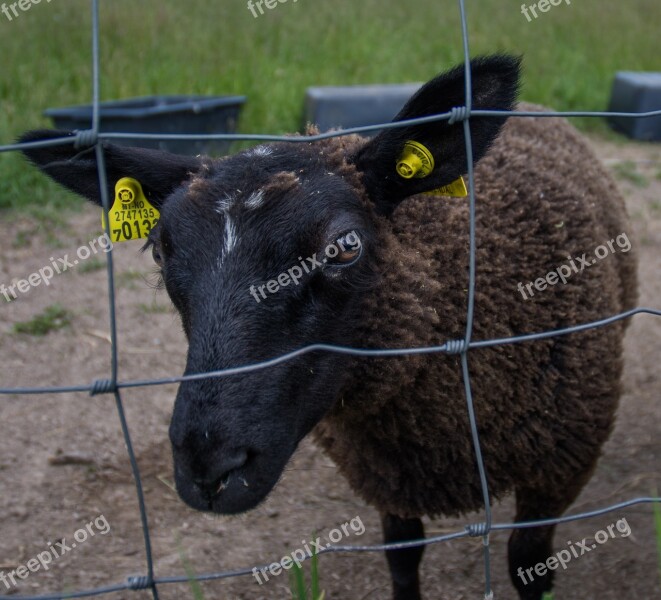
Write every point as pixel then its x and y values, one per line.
pixel 160 173
pixel 495 82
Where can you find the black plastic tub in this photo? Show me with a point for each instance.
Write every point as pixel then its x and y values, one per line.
pixel 160 114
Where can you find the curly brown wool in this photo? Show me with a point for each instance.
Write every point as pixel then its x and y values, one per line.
pixel 401 434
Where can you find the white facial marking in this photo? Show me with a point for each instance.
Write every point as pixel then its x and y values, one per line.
pixel 230 235
pixel 255 199
pixel 224 203
pixel 222 208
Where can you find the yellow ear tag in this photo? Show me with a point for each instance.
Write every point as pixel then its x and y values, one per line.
pixel 417 161
pixel 132 216
pixel 456 189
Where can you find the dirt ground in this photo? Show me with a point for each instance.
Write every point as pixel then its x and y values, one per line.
pixel 63 462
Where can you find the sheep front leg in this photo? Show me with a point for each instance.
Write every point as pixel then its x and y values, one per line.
pixel 403 563
pixel 529 547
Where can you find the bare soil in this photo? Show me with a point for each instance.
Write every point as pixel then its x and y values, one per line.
pixel 63 460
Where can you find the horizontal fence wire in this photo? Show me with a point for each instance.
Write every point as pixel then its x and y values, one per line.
pixel 93 138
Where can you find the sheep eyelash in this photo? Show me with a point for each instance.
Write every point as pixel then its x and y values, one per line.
pixel 156 280
pixel 148 244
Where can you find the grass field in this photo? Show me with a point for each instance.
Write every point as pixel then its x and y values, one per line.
pixel 207 47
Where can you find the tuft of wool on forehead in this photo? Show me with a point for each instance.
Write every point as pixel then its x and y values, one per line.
pixel 335 151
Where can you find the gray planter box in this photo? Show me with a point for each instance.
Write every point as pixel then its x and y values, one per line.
pixel 636 92
pixel 352 106
pixel 160 114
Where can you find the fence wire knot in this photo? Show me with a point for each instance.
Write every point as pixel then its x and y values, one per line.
pixel 456 346
pixel 477 529
pixel 86 138
pixel 103 386
pixel 138 582
pixel 458 113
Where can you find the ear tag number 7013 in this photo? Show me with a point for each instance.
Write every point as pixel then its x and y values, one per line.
pixel 132 216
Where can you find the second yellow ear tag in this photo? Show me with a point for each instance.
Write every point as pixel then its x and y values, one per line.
pixel 132 216
pixel 456 189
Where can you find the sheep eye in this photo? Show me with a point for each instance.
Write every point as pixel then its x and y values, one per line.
pixel 346 257
pixel 347 250
pixel 156 255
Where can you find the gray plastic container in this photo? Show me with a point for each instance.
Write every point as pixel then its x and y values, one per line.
pixel 160 114
pixel 636 92
pixel 342 107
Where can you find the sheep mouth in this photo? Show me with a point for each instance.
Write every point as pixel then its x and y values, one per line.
pixel 234 477
pixel 238 491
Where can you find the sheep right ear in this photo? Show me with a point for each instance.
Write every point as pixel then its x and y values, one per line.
pixel 388 174
pixel 159 173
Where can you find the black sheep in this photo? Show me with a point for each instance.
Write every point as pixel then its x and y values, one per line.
pixel 230 230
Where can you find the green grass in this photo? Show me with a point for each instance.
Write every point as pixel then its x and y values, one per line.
pixel 628 171
pixel 128 279
pixel 154 308
pixel 657 527
pixel 201 47
pixel 299 590
pixel 51 319
pixel 23 238
pixel 94 264
pixel 195 587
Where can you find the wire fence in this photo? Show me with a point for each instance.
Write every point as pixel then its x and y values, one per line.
pixel 113 385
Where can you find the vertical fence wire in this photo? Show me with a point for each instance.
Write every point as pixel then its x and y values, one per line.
pixel 468 100
pixel 135 582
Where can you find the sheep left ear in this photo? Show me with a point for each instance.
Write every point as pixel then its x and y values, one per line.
pixel 159 173
pixel 393 169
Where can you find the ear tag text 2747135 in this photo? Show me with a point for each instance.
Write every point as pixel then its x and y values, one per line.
pixel 132 216
pixel 417 161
